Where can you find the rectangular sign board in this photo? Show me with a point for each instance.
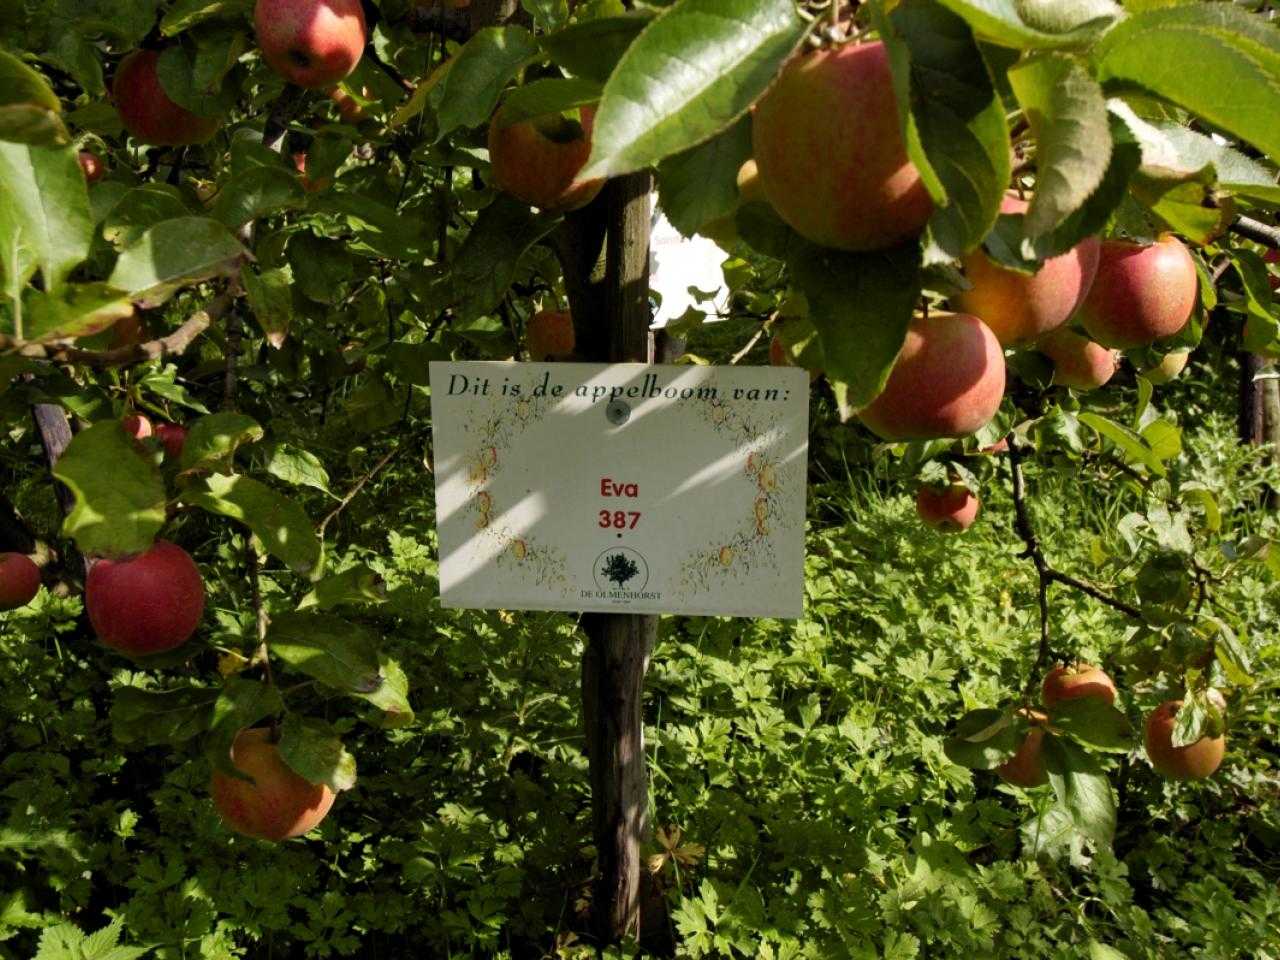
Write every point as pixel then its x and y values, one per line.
pixel 621 488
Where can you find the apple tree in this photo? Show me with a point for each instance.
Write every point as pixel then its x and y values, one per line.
pixel 233 235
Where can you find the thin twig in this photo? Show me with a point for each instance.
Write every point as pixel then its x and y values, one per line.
pixel 260 618
pixel 1257 231
pixel 355 490
pixel 172 345
pixel 1097 593
pixel 1022 523
pixel 235 336
pixel 747 349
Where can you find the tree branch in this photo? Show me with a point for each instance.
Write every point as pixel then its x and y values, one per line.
pixel 1257 231
pixel 355 490
pixel 174 344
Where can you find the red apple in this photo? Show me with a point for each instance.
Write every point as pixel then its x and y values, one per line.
pixel 19 580
pixel 1141 294
pixel 148 603
pixel 313 43
pixel 948 381
pixel 277 803
pixel 827 140
pixel 949 509
pixel 549 335
pixel 1020 308
pixel 91 166
pixel 538 160
pixel 146 110
pixel 309 185
pixel 172 437
pixel 1272 256
pixel 1026 767
pixel 1078 362
pixel 1064 683
pixel 1195 761
pixel 137 426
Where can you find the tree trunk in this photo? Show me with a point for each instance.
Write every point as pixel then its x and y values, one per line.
pixel 1250 425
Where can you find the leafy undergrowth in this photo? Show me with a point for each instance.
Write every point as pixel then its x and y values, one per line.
pixel 802 804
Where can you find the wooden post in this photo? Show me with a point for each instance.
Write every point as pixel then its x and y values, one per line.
pixel 1250 425
pixel 616 657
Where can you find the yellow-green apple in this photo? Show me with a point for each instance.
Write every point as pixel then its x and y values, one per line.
pixel 1078 362
pixel 312 43
pixel 19 580
pixel 750 189
pixel 827 140
pixel 1141 293
pixel 1195 761
pixel 950 509
pixel 1077 680
pixel 549 335
pixel 147 603
pixel 947 381
pixel 146 110
pixel 277 803
pixel 172 437
pixel 1026 767
pixel 1170 365
pixel 538 160
pixel 91 166
pixel 137 426
pixel 1020 308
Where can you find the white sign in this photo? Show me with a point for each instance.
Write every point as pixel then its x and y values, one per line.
pixel 621 487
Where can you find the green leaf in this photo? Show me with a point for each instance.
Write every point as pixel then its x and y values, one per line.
pixel 119 493
pixel 701 185
pixel 1201 494
pixel 1068 116
pixel 861 305
pixel 983 739
pixel 1212 59
pixel 1255 283
pixel 1100 951
pixel 547 96
pixel 292 464
pixel 257 192
pixel 187 13
pixel 147 718
pixel 388 233
pixel 592 48
pixel 1164 439
pixel 359 584
pixel 241 703
pixel 212 440
pixel 1131 446
pixel 411 362
pixel 174 254
pixel 313 750
pixel 164 383
pixel 547 14
pixel 142 207
pixel 76 310
pixel 1035 24
pixel 691 73
pixel 29 111
pixel 270 297
pixel 953 124
pixel 338 653
pixel 467 94
pixel 392 698
pixel 1093 722
pixel 1082 789
pixel 279 522
pixel 482 272
pixel 45 191
pixel 198 80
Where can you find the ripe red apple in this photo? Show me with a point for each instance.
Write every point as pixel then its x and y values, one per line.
pixel 91 166
pixel 19 580
pixel 1026 767
pixel 948 381
pixel 172 437
pixel 278 803
pixel 1168 368
pixel 313 43
pixel 1078 362
pixel 1140 294
pixel 1195 761
pixel 538 160
pixel 828 144
pixel 949 509
pixel 309 185
pixel 1020 308
pixel 1064 683
pixel 137 426
pixel 148 603
pixel 549 335
pixel 146 110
